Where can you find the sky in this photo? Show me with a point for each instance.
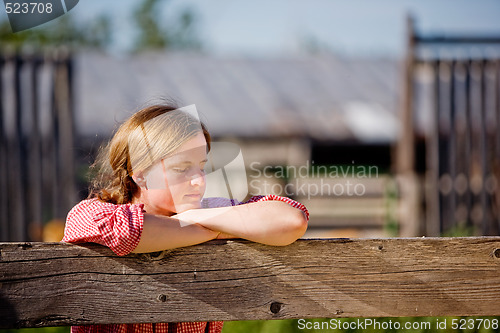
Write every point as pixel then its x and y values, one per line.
pixel 289 27
pixel 284 27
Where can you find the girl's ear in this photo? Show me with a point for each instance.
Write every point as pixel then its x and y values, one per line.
pixel 140 180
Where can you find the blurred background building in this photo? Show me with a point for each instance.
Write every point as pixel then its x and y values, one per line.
pixel 395 135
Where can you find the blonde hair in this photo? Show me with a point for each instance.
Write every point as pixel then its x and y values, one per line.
pixel 138 144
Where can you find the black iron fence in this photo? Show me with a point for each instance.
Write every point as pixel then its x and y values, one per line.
pixel 454 105
pixel 37 171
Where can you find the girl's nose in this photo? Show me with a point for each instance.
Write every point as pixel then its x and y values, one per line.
pixel 198 179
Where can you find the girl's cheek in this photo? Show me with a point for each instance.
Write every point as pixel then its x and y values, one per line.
pixel 174 179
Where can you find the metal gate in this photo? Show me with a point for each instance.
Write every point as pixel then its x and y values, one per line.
pixel 454 105
pixel 37 173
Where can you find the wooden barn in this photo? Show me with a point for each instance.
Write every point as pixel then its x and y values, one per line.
pixel 373 147
pixel 334 115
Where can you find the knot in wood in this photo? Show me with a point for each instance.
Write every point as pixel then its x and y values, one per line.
pixel 275 307
pixel 162 298
pixel 496 253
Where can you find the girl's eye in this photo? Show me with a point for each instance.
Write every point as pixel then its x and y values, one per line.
pixel 180 170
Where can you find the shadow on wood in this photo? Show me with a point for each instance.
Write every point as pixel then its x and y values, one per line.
pixel 50 284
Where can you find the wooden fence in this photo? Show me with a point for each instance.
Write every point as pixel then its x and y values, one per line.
pixel 51 284
pixel 451 132
pixel 36 142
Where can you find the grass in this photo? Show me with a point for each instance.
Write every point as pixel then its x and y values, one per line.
pixel 369 325
pixel 349 325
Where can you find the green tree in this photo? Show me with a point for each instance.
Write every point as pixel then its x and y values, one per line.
pixel 154 34
pixel 62 31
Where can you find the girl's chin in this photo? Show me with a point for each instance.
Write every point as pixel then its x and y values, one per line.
pixel 187 206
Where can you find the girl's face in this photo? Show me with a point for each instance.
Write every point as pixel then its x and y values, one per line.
pixel 177 183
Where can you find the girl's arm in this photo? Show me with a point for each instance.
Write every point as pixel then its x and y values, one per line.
pixel 267 222
pixel 125 228
pixel 164 233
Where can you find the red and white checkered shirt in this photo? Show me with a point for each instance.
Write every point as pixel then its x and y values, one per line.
pixel 119 227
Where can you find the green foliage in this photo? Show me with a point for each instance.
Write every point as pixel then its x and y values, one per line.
pixel 146 18
pixel 462 230
pixel 379 325
pixel 64 329
pixel 391 224
pixel 153 33
pixel 261 326
pixel 61 31
pixel 382 325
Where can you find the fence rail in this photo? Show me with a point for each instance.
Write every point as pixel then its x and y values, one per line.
pixel 51 284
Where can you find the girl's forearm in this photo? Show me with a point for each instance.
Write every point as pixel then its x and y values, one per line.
pixel 164 233
pixel 268 222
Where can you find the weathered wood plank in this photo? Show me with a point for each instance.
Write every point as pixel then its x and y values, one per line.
pixel 49 284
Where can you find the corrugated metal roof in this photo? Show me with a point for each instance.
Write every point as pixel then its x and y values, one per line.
pixel 314 96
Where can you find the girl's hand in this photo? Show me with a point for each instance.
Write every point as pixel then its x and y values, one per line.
pixel 266 222
pixel 162 233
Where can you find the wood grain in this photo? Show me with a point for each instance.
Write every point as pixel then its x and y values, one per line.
pixel 50 284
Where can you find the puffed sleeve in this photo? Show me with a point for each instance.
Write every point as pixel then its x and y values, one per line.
pixel 271 197
pixel 118 227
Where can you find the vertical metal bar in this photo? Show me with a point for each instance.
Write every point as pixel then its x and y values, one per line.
pixel 433 212
pixel 496 165
pixel 34 151
pixel 444 116
pixel 73 134
pixel 410 197
pixel 16 166
pixel 66 132
pixel 406 146
pixel 468 142
pixel 477 178
pixel 441 143
pixel 460 182
pixel 490 148
pixel 485 227
pixel 54 167
pixel 452 155
pixel 48 131
pixel 4 208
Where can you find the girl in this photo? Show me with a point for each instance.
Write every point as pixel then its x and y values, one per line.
pixel 148 196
